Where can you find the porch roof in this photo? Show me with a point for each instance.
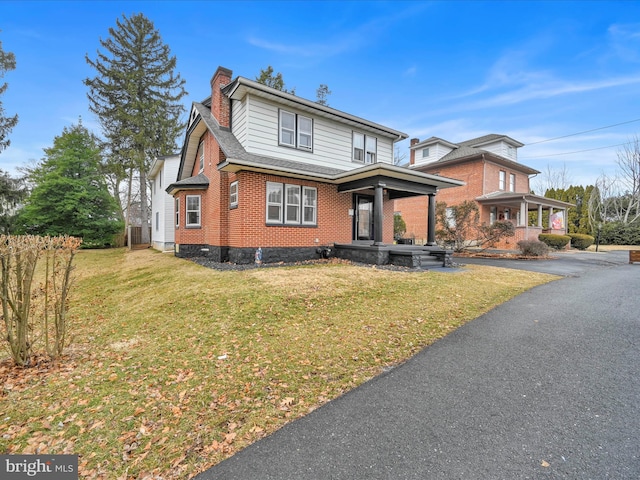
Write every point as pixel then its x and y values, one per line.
pixel 516 199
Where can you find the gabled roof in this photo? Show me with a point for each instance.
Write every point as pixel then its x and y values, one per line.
pixel 470 150
pixel 239 87
pixel 491 138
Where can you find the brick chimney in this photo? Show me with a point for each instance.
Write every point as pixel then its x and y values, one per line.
pixel 412 152
pixel 219 102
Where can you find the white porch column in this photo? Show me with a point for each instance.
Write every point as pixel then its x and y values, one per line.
pixel 540 215
pixel 550 214
pixel 524 214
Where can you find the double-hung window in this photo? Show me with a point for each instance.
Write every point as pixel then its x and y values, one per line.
pixel 274 202
pixel 291 204
pixel 502 180
pixel 512 182
pixel 296 131
pixel 193 211
pixel 233 194
pixel 364 148
pixel 177 212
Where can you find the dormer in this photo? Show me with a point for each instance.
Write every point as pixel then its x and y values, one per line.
pixel 430 150
pixel 501 145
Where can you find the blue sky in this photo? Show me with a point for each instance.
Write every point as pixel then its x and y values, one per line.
pixel 533 70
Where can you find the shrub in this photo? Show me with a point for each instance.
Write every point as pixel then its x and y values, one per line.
pixel 557 242
pixel 533 248
pixel 581 241
pixel 617 233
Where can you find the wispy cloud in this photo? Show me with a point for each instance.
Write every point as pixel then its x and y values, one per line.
pixel 624 41
pixel 352 38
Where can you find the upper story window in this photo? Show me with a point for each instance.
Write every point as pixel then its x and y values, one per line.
pixel 364 148
pixel 201 157
pixel 296 131
pixel 512 182
pixel 192 212
pixel 425 152
pixel 502 179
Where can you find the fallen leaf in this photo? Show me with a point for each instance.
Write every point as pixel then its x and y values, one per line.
pixel 545 463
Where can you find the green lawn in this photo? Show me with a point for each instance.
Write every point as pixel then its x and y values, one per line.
pixel 174 367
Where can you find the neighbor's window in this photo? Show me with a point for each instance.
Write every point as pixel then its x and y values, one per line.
pixel 233 194
pixel 450 217
pixel 177 212
pixel 291 204
pixel 296 130
pixel 493 213
pixel 193 211
pixel 425 152
pixel 502 180
pixel 512 182
pixel 157 221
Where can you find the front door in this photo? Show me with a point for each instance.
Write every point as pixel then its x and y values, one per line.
pixel 363 222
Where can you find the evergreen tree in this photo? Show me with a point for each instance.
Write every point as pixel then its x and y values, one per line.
pixel 12 192
pixel 136 95
pixel 7 63
pixel 268 78
pixel 70 195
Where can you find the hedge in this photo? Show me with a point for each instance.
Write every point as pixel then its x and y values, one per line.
pixel 533 248
pixel 557 242
pixel 581 241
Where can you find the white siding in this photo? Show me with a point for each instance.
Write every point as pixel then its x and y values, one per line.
pixel 163 237
pixel 502 148
pixel 239 121
pixel 436 152
pixel 255 124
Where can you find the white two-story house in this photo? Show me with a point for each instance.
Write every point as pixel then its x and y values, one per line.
pixel 264 169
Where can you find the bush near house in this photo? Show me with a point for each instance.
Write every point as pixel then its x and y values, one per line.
pixel 581 241
pixel 533 248
pixel 557 242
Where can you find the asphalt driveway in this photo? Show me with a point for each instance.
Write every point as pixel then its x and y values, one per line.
pixel 543 386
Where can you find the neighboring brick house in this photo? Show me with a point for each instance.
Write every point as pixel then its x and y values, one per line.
pixel 261 168
pixel 493 178
pixel 162 172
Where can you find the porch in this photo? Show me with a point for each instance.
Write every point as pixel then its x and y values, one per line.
pixel 410 256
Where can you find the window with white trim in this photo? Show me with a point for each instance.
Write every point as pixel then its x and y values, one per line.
pixel 233 194
pixel 425 152
pixel 177 212
pixel 192 212
pixel 365 148
pixel 512 182
pixel 295 130
pixel 502 180
pixel 201 157
pixel 274 202
pixel 157 221
pixel 291 204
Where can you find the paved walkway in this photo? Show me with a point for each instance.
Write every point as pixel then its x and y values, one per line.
pixel 543 386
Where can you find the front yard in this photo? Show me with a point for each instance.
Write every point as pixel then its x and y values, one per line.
pixel 174 367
